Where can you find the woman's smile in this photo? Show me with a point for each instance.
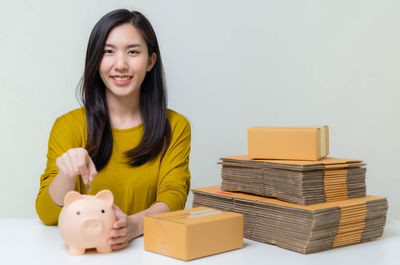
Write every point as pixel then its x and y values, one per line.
pixel 120 80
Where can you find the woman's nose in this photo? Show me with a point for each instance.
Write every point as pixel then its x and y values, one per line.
pixel 121 63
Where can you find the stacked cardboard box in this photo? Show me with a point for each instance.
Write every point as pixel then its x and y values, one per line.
pixel 317 205
pixel 301 182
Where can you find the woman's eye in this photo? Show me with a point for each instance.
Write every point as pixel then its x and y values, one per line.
pixel 108 51
pixel 133 52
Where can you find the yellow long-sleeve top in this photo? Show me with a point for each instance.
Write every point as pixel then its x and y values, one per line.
pixel 134 188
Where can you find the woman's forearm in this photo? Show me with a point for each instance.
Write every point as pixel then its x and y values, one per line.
pixel 136 220
pixel 60 186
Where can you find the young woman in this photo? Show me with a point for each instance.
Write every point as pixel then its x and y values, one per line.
pixel 124 138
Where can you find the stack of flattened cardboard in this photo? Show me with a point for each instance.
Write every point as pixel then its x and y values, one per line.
pixel 305 229
pixel 318 202
pixel 301 182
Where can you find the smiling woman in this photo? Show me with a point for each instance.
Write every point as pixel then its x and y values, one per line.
pixel 125 63
pixel 124 139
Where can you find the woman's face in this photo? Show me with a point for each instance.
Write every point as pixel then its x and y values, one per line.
pixel 125 62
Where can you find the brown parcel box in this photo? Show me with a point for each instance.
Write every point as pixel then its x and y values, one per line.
pixel 193 233
pixel 293 143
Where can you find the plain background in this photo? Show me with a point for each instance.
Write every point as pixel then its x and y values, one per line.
pixel 229 65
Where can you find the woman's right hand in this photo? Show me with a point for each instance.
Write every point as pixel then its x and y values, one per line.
pixel 76 161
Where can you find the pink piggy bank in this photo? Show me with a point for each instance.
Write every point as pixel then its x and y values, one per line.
pixel 85 221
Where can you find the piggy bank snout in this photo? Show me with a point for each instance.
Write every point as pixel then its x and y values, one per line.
pixel 92 227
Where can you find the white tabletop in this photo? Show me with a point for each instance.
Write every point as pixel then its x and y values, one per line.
pixel 28 241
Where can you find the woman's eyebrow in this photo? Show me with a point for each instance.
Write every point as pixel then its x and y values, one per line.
pixel 128 47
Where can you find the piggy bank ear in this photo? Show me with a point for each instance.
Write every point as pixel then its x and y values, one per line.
pixel 71 197
pixel 106 195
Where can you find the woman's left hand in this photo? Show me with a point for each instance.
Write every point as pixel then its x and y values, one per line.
pixel 122 230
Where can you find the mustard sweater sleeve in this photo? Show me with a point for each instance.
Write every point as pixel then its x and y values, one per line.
pixel 65 134
pixel 174 175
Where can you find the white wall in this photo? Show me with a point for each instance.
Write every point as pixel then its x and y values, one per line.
pixel 230 65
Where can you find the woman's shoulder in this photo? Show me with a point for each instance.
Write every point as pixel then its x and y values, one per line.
pixel 70 129
pixel 74 115
pixel 73 119
pixel 177 120
pixel 180 128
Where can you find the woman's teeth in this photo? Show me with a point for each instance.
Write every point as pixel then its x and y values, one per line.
pixel 120 78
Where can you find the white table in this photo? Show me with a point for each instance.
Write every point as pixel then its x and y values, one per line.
pixel 28 241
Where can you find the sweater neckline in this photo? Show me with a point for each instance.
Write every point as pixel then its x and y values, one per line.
pixel 137 127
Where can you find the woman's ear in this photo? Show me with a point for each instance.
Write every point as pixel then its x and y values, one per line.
pixel 152 61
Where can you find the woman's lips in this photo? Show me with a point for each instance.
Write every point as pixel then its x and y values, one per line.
pixel 121 80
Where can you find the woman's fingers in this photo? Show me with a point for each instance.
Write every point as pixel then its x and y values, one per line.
pixel 118 237
pixel 82 166
pixel 119 246
pixel 76 161
pixel 121 219
pixel 60 164
pixel 68 164
pixel 119 214
pixel 118 240
pixel 120 223
pixel 115 233
pixel 92 172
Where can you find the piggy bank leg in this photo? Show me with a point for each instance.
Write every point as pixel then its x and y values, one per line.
pixel 104 249
pixel 75 251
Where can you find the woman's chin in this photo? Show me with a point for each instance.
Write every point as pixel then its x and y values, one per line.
pixel 121 93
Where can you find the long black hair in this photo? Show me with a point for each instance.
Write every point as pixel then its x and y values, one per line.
pixel 153 97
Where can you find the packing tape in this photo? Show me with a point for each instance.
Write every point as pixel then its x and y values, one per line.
pixel 193 214
pixel 350 229
pixel 203 213
pixel 335 185
pixel 323 139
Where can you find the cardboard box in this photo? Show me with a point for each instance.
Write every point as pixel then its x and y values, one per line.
pixel 193 233
pixel 293 143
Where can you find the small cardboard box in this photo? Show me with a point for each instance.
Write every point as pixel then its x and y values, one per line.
pixel 193 233
pixel 292 143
